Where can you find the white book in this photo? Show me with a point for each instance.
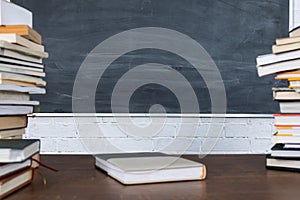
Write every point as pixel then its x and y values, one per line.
pixel 278 67
pixel 290 107
pixel 12 14
pixel 285 139
pixel 141 168
pixel 275 58
pixel 21 62
pixel 19 56
pixel 22 70
pixel 15 110
pixel 16 88
pixel 16 39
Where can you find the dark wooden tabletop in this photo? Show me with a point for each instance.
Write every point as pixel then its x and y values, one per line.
pixel 229 177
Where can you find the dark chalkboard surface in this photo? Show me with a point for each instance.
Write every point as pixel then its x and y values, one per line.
pixel 233 32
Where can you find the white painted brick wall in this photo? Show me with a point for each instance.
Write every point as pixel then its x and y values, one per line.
pixel 102 135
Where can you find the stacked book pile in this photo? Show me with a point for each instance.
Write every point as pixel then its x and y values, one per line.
pixel 285 64
pixel 21 75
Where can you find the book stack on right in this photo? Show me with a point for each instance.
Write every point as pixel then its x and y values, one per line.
pixel 285 64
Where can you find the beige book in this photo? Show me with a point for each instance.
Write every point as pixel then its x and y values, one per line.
pixel 6 78
pixel 24 50
pixel 16 39
pixel 7 134
pixel 16 96
pixel 285 48
pixel 150 168
pixel 288 40
pixel 20 56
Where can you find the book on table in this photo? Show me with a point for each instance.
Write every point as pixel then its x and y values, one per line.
pixel 19 150
pixel 141 168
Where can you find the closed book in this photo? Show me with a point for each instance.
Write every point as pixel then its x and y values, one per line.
pixel 12 133
pixel 15 61
pixel 9 168
pixel 24 31
pixel 12 122
pixel 286 150
pixel 15 110
pixel 15 182
pixel 288 138
pixel 287 40
pixel 278 67
pixel 288 75
pixel 280 163
pixel 287 119
pixel 289 107
pixel 285 48
pixel 22 70
pixel 16 39
pixel 15 96
pixel 21 80
pixel 16 88
pixel 295 32
pixel 12 14
pixel 142 168
pixel 12 151
pixel 23 50
pixel 275 58
pixel 16 55
pixel 285 94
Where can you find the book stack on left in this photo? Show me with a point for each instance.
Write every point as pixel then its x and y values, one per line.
pixel 21 75
pixel 285 64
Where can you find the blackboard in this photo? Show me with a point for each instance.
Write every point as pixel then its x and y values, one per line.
pixel 233 32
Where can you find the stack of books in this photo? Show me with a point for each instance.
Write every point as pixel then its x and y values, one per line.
pixel 21 75
pixel 285 64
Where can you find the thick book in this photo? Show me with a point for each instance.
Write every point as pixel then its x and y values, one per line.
pixel 142 168
pixel 15 96
pixel 13 14
pixel 279 163
pixel 15 110
pixel 12 122
pixel 15 182
pixel 16 55
pixel 12 151
pixel 275 58
pixel 12 133
pixel 16 39
pixel 23 50
pixel 278 67
pixel 16 88
pixel 21 80
pixel 22 70
pixel 285 94
pixel 24 31
pixel 285 48
pixel 286 150
pixel 9 168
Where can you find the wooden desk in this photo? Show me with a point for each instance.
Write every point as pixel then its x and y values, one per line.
pixel 229 177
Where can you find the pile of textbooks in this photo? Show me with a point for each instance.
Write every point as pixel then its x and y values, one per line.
pixel 285 64
pixel 21 76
